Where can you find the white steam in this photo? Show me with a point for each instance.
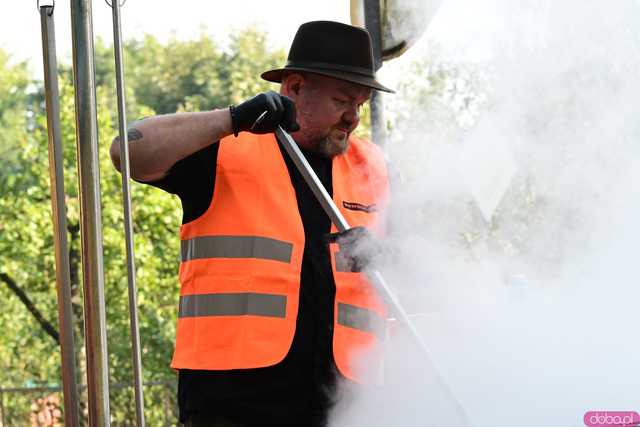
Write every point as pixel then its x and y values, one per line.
pixel 519 226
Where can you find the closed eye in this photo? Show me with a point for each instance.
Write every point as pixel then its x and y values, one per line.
pixel 341 102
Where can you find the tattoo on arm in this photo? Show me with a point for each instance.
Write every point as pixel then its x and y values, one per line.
pixel 133 134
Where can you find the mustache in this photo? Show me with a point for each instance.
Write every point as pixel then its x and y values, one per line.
pixel 346 126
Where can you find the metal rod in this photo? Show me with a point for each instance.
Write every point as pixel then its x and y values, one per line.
pixel 90 213
pixel 378 128
pixel 128 223
pixel 59 216
pixel 374 276
pixel 311 179
pixel 373 24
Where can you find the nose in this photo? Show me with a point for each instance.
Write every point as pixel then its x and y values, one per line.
pixel 352 116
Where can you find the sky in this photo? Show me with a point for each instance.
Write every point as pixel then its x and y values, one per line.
pixel 20 22
pixel 20 28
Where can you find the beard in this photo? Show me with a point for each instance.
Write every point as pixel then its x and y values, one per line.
pixel 327 147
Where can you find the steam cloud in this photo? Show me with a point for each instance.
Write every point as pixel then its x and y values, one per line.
pixel 519 231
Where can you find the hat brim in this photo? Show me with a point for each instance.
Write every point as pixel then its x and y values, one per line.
pixel 275 76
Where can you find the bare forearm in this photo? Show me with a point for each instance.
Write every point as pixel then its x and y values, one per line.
pixel 157 143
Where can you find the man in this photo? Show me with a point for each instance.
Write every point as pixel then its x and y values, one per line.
pixel 270 313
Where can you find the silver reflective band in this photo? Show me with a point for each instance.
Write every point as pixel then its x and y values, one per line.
pixel 360 318
pixel 240 304
pixel 236 247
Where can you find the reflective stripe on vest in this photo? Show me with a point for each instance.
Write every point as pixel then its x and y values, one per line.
pixel 240 304
pixel 236 247
pixel 360 318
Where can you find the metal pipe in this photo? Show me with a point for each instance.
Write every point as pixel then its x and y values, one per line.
pixel 378 128
pixel 311 179
pixel 128 223
pixel 56 175
pixel 374 276
pixel 90 213
pixel 372 22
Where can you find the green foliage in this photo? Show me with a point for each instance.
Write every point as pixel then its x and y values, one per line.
pixel 248 58
pixel 27 354
pixel 197 75
pixel 167 77
pixel 14 80
pixel 27 256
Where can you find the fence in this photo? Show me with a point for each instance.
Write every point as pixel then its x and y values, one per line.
pixel 41 406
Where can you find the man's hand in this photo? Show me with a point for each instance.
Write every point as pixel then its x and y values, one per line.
pixel 358 248
pixel 263 113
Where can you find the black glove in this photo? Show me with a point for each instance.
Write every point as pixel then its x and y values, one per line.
pixel 263 113
pixel 358 249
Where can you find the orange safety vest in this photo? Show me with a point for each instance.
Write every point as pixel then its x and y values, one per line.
pixel 241 262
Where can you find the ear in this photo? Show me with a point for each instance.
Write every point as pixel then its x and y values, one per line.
pixel 292 84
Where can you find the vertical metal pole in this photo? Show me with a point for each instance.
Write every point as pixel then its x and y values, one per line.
pixel 56 174
pixel 128 223
pixel 373 24
pixel 90 213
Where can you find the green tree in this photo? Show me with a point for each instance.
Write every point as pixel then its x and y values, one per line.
pixel 27 259
pixel 247 58
pixel 28 318
pixel 14 80
pixel 170 77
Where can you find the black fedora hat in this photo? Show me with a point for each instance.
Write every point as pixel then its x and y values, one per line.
pixel 331 49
